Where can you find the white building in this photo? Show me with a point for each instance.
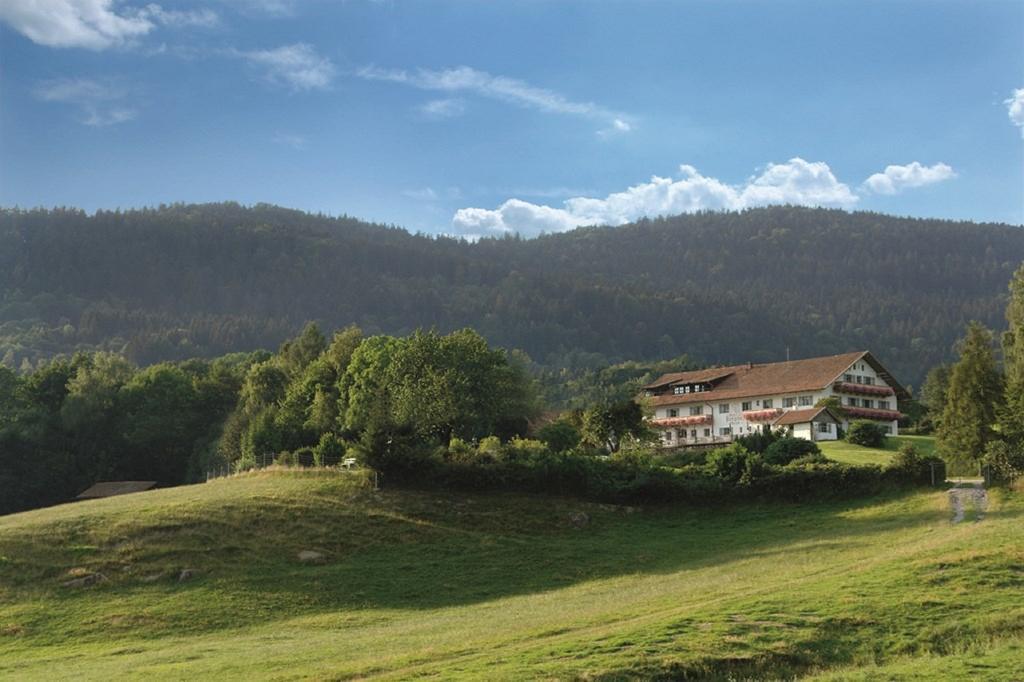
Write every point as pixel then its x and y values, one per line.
pixel 715 405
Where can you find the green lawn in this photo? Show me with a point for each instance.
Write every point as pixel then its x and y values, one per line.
pixel 841 451
pixel 505 587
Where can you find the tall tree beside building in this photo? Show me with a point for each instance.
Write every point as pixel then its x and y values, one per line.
pixel 1011 417
pixel 933 393
pixel 972 400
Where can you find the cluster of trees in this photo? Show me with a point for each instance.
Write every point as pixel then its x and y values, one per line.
pixel 376 398
pixel 976 405
pixel 203 280
pixel 96 417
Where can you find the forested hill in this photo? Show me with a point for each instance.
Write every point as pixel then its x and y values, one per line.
pixel 189 280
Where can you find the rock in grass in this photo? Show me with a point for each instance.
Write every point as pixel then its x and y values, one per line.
pixel 188 574
pixel 579 519
pixel 86 580
pixel 308 556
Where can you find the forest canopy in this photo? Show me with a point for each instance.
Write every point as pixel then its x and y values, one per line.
pixel 183 281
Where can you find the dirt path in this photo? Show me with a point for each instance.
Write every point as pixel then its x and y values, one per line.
pixel 968 495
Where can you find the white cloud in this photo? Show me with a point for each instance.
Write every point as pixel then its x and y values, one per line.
pixel 514 91
pixel 794 182
pixel 99 103
pixel 204 18
pixel 298 66
pixel 1015 109
pixel 895 179
pixel 92 24
pixel 443 108
pixel 297 142
pixel 425 194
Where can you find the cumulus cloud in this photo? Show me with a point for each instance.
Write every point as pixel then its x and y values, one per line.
pixel 1015 109
pixel 297 66
pixel 511 90
pixel 795 182
pixel 93 24
pixel 895 179
pixel 443 108
pixel 99 103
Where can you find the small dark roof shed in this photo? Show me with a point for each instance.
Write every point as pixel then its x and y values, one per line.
pixel 111 488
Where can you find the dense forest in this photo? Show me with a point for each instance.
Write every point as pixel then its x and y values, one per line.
pixel 183 281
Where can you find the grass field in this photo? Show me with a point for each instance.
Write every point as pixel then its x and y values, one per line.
pixel 841 451
pixel 506 587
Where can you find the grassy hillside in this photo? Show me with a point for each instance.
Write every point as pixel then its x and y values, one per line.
pixel 848 453
pixel 453 585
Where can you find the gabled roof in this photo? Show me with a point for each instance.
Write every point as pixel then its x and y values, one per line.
pixel 791 417
pixel 742 381
pixel 111 488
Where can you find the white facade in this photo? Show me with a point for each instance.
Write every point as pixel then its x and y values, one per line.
pixel 859 388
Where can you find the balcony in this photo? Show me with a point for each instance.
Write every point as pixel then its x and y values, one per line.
pixel 762 415
pixel 861 389
pixel 695 420
pixel 877 415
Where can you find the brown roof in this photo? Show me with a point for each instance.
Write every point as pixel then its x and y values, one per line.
pixel 742 381
pixel 111 488
pixel 791 417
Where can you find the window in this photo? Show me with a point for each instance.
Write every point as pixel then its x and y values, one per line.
pixel 869 403
pixel 852 402
pixel 806 400
pixel 788 402
pixel 693 434
pixel 707 433
pixel 824 427
pixel 870 381
pixel 767 403
pixel 848 378
pixel 745 406
pixel 723 408
pixel 883 404
pixel 860 379
pixel 681 434
pixel 673 412
pixel 696 410
pixel 668 436
pixel 725 431
pixel 887 428
pixel 678 390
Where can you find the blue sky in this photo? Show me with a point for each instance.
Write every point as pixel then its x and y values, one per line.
pixel 482 118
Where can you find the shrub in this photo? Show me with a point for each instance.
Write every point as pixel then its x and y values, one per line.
pixel 785 450
pixel 287 459
pixel 560 436
pixel 759 441
pixel 1004 462
pixel 728 463
pixel 329 451
pixel 866 433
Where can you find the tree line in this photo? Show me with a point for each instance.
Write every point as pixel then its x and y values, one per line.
pixel 181 281
pixel 976 404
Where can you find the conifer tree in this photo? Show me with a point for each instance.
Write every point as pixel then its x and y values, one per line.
pixel 972 399
pixel 1011 418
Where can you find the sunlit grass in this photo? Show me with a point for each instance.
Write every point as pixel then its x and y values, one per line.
pixel 503 586
pixel 841 451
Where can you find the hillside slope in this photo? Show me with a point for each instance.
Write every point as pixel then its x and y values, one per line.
pixel 188 280
pixel 503 587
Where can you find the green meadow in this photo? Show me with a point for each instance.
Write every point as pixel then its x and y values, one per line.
pixel 848 453
pixel 433 584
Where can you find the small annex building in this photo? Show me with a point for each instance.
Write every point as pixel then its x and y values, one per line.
pixel 715 405
pixel 815 423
